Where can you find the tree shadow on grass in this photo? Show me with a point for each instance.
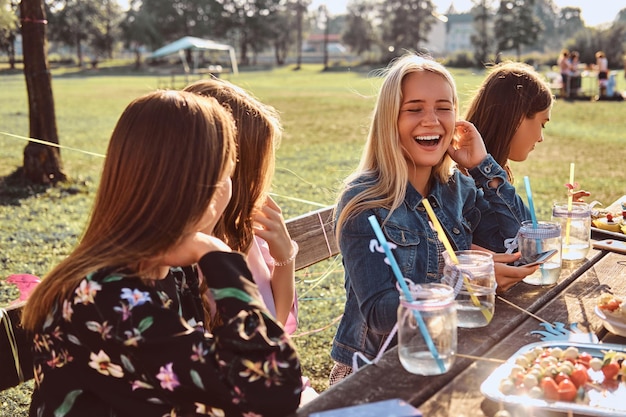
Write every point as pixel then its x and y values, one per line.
pixel 15 187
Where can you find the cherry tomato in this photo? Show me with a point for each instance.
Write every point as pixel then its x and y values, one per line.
pixel 612 305
pixel 567 390
pixel 584 358
pixel 550 389
pixel 560 377
pixel 610 370
pixel 579 375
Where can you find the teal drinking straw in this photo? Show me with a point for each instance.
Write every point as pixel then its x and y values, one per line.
pixel 533 217
pixel 531 205
pixel 407 294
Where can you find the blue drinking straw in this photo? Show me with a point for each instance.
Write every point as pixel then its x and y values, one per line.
pixel 407 294
pixel 531 205
pixel 533 217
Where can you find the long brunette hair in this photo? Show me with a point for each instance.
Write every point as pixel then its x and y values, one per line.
pixel 511 92
pixel 258 136
pixel 167 152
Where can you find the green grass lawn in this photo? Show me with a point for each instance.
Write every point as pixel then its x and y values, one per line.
pixel 325 117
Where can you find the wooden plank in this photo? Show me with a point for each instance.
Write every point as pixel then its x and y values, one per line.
pixel 8 371
pixel 314 233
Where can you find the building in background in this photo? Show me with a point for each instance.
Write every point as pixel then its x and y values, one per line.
pixel 459 31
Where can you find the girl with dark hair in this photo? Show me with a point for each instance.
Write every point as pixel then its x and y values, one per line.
pixel 510 110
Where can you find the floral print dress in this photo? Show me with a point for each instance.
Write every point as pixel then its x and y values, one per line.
pixel 124 347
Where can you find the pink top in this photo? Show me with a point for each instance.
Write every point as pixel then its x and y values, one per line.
pixel 260 264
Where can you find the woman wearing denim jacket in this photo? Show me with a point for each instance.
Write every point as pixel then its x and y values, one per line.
pixel 413 149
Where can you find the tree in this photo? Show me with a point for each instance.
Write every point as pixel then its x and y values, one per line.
pixel 284 28
pixel 167 20
pixel 42 163
pixel 550 38
pixel 8 29
pixel 359 33
pixel 610 40
pixel 481 38
pixel 138 30
pixel 74 22
pixel 251 23
pixel 570 22
pixel 516 26
pixel 107 30
pixel 300 7
pixel 406 23
pixel 323 20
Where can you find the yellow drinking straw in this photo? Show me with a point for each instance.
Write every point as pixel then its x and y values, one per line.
pixel 446 243
pixel 570 198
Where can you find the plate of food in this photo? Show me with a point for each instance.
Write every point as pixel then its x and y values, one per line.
pixel 611 309
pixel 609 221
pixel 583 378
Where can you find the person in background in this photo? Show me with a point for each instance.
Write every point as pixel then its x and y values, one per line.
pixel 510 109
pixel 252 222
pixel 564 67
pixel 414 143
pixel 575 78
pixel 118 325
pixel 602 66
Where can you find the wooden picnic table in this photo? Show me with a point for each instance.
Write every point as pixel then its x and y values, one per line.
pixel 457 393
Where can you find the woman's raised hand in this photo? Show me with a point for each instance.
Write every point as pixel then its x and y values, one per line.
pixel 270 226
pixel 468 149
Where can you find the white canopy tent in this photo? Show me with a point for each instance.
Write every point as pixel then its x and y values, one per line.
pixel 196 45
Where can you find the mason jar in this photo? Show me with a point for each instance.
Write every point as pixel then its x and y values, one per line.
pixel 538 238
pixel 425 322
pixel 474 280
pixel 575 229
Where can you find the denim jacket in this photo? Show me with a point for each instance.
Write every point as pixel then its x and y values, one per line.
pixel 468 210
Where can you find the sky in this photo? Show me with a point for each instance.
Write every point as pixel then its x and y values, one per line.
pixel 593 14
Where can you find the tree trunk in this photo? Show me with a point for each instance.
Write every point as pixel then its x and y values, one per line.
pixel 79 50
pixel 299 18
pixel 12 50
pixel 42 163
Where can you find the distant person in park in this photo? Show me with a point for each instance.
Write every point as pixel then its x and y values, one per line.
pixel 602 66
pixel 510 110
pixel 252 222
pixel 118 325
pixel 564 67
pixel 413 147
pixel 574 75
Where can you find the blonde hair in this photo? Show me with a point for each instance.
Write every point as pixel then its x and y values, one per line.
pixel 167 153
pixel 383 157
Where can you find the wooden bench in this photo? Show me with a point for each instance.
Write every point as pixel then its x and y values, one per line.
pixel 312 231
